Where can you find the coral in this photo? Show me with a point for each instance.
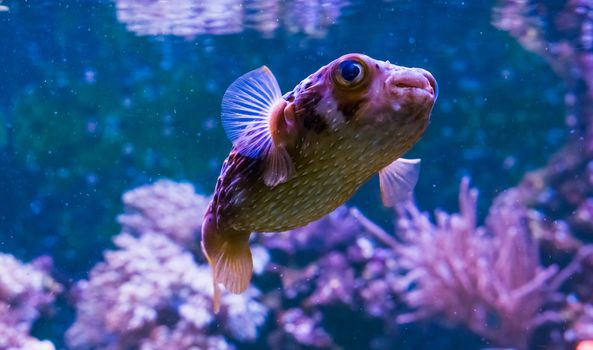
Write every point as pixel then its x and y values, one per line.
pixel 328 267
pixel 488 279
pixel 183 336
pixel 561 34
pixel 305 329
pixel 150 293
pixel 152 288
pixel 14 339
pixel 582 326
pixel 166 207
pixel 26 291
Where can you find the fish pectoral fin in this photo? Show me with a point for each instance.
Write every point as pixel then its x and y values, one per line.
pixel 397 181
pixel 278 167
pixel 247 106
pixel 253 119
pixel 229 257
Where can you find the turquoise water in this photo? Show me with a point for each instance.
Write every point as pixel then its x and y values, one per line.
pixel 97 98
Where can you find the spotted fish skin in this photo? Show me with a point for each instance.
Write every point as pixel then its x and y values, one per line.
pixel 339 136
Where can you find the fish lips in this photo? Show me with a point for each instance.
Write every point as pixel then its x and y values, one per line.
pixel 415 81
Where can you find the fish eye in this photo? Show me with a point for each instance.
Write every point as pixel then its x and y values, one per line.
pixel 349 73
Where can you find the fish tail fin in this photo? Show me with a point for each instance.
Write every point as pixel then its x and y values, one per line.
pixel 229 258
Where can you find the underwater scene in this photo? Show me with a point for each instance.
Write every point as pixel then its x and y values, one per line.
pixel 296 174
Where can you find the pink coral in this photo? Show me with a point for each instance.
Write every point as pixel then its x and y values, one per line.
pixel 150 283
pixel 14 339
pixel 488 279
pixel 183 336
pixel 167 207
pixel 26 291
pixel 582 327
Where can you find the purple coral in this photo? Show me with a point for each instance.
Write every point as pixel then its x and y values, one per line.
pixel 151 294
pixel 305 329
pixel 151 291
pixel 488 279
pixel 26 291
pixel 166 207
pixel 14 339
pixel 327 265
pixel 183 336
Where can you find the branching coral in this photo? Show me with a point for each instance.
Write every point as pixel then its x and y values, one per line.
pixel 151 288
pixel 488 279
pixel 26 291
pixel 325 267
pixel 151 293
pixel 561 33
pixel 167 207
pixel 14 339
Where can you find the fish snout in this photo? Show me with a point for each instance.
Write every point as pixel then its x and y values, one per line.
pixel 413 78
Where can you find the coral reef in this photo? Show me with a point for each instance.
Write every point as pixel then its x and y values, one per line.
pixel 324 268
pixel 166 207
pixel 26 291
pixel 562 190
pixel 561 34
pixel 488 279
pixel 151 291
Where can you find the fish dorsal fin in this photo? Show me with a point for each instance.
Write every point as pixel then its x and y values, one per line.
pixel 248 107
pixel 397 180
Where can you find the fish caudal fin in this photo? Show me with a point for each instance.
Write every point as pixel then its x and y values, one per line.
pixel 229 257
pixel 397 181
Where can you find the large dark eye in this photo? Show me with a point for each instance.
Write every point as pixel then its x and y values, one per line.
pixel 349 73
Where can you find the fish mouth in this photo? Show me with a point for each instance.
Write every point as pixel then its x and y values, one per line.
pixel 415 79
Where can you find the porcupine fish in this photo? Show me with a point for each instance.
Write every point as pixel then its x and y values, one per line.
pixel 297 157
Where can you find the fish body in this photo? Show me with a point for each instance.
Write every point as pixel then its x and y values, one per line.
pixel 297 157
